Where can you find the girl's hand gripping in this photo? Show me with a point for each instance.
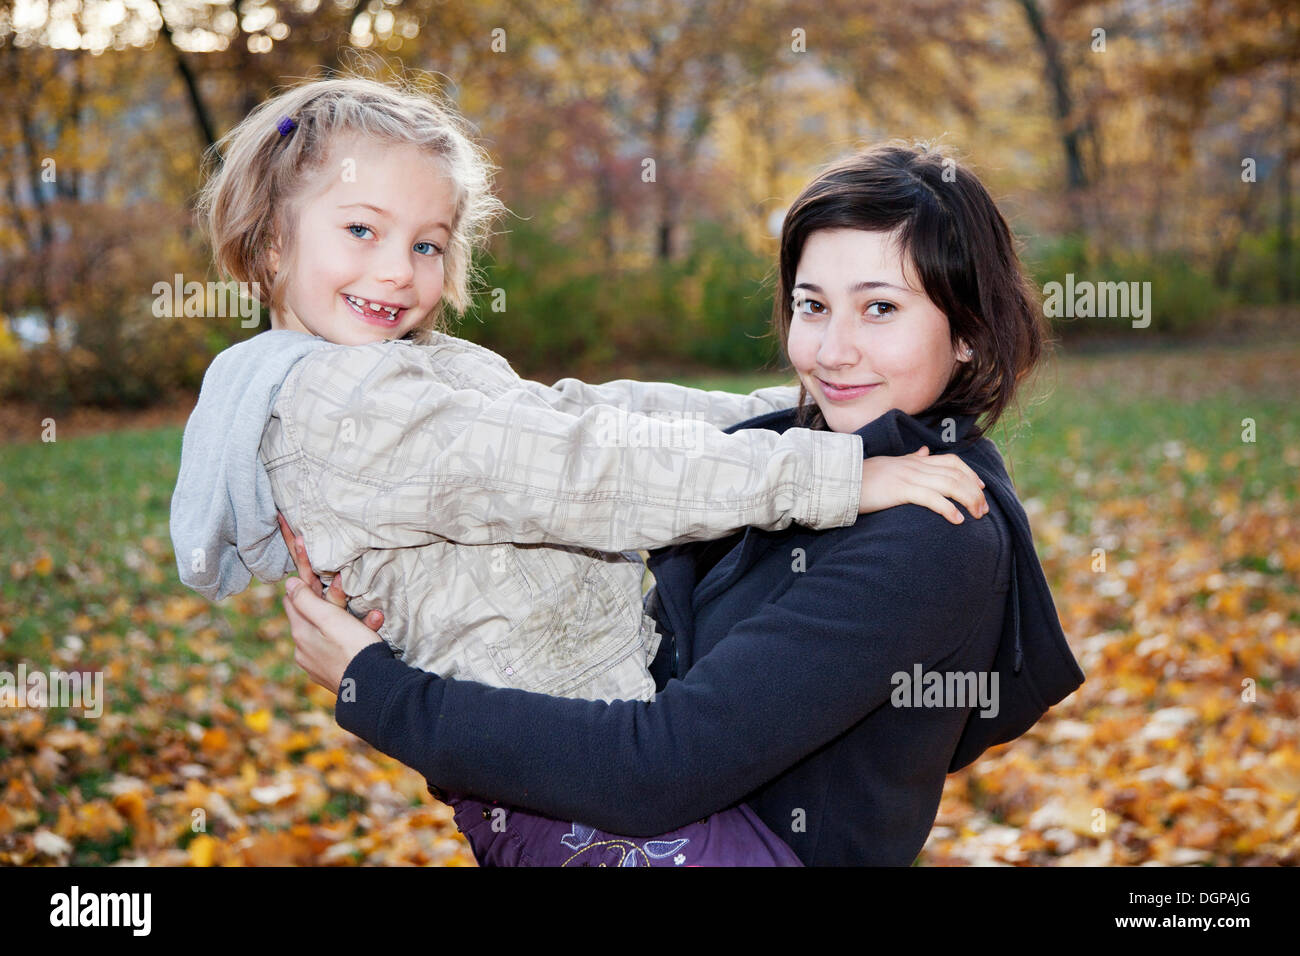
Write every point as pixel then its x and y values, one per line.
pixel 918 479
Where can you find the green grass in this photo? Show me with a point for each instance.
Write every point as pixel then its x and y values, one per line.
pixel 1082 446
pixel 87 503
pixel 79 496
pixel 98 508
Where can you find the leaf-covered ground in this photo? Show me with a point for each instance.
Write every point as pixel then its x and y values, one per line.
pixel 1183 746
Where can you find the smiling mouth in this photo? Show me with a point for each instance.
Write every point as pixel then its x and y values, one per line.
pixel 375 310
pixel 831 387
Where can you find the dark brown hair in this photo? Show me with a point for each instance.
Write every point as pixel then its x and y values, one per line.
pixel 950 231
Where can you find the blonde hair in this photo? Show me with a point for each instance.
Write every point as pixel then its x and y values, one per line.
pixel 250 201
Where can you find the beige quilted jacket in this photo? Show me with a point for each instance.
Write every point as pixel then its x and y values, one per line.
pixel 495 520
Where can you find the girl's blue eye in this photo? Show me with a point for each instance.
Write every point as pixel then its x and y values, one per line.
pixel 356 229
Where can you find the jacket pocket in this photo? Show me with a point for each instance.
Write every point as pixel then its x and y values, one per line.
pixel 585 636
pixel 462 598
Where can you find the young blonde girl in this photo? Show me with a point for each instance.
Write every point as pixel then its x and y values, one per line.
pixel 495 520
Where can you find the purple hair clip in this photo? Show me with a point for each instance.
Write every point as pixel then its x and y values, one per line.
pixel 286 125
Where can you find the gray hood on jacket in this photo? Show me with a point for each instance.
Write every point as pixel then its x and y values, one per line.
pixel 223 516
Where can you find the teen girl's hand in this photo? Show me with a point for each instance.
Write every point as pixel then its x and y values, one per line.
pixel 918 479
pixel 325 634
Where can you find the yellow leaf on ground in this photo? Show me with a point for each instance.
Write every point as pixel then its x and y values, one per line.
pixel 202 850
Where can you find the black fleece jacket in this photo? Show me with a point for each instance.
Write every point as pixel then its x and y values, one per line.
pixel 779 679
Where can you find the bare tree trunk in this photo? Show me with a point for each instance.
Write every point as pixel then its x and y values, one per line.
pixel 605 210
pixel 245 65
pixel 1071 132
pixel 9 65
pixel 44 224
pixel 202 116
pixel 69 181
pixel 1285 290
pixel 1241 222
pixel 682 162
pixel 9 304
pixel 659 143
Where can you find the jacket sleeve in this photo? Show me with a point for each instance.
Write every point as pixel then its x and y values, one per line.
pixel 395 457
pixel 797 673
pixel 665 400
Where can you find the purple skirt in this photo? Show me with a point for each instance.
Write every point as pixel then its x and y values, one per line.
pixel 505 836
